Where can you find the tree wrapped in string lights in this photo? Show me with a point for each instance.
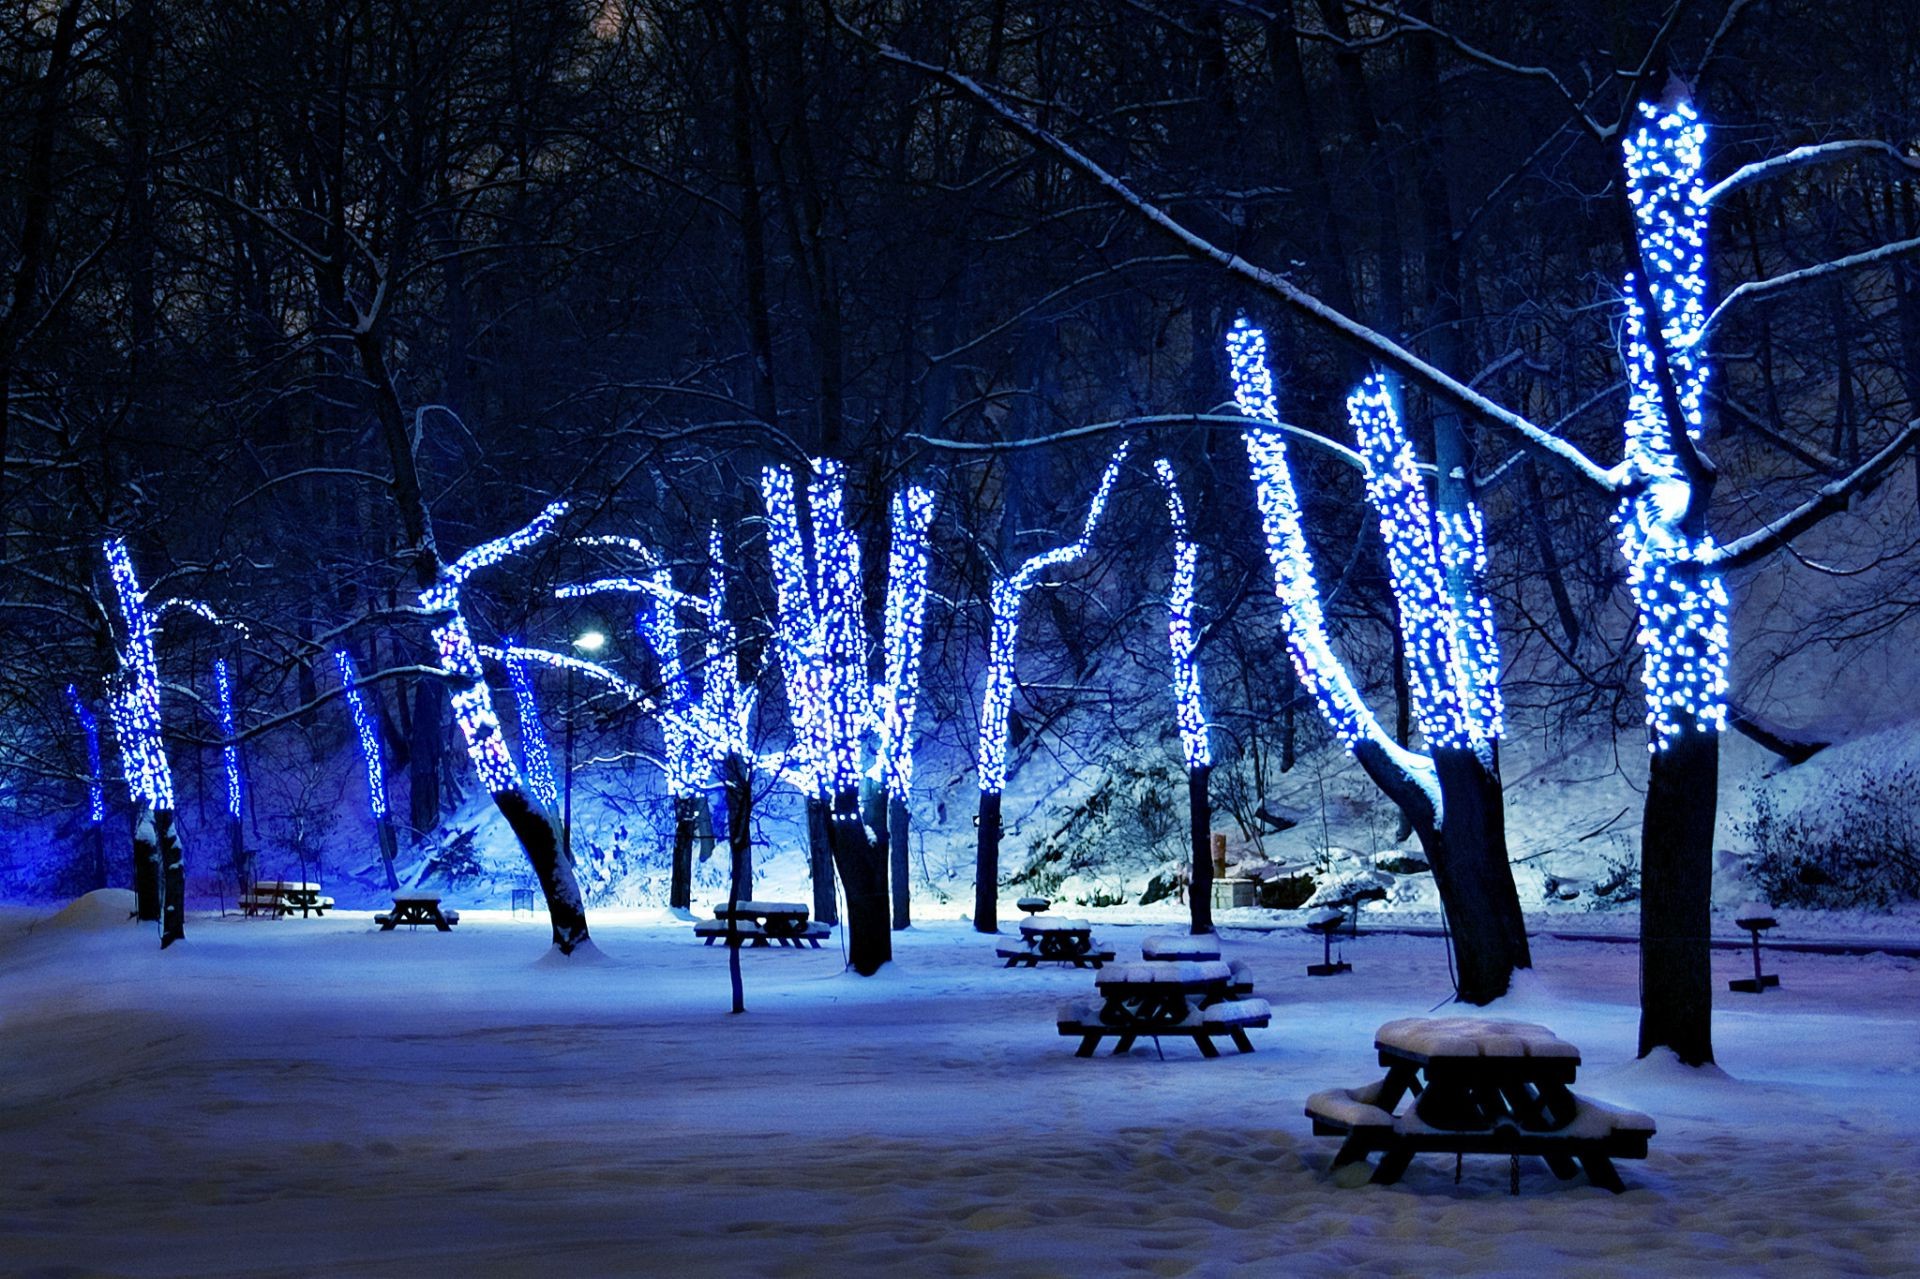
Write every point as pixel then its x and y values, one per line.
pixel 96 784
pixel 824 655
pixel 366 726
pixel 133 698
pixel 996 702
pixel 1189 711
pixel 897 696
pixel 535 751
pixel 1445 794
pixel 532 821
pixel 230 765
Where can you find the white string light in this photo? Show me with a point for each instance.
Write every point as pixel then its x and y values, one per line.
pixel 134 690
pixel 895 699
pixel 996 703
pixel 1188 712
pixel 1683 605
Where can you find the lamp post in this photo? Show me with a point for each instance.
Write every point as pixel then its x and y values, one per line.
pixel 588 643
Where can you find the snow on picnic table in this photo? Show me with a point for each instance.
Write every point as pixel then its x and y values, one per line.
pixel 312 1096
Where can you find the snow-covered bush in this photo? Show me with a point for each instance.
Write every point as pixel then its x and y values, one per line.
pixel 1127 828
pixel 1859 847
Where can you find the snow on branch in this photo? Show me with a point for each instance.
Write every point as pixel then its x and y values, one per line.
pixel 1828 500
pixel 567 662
pixel 1803 157
pixel 1216 421
pixel 1760 290
pixel 1007 594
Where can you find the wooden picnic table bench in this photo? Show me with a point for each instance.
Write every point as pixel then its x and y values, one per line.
pixel 1055 939
pixel 1185 998
pixel 277 897
pixel 414 909
pixel 757 923
pixel 1174 947
pixel 1482 1086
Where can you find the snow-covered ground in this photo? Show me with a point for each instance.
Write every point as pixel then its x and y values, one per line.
pixel 311 1096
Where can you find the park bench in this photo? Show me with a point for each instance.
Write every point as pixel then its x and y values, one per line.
pixel 277 897
pixel 1483 1086
pixel 762 924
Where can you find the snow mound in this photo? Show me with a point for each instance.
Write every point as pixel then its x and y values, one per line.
pixel 585 955
pixel 101 909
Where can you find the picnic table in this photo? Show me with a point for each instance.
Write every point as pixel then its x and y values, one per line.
pixel 1482 1085
pixel 1176 947
pixel 277 897
pixel 1054 939
pixel 414 909
pixel 1191 998
pixel 758 923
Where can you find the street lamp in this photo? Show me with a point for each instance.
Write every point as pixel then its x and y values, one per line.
pixel 588 643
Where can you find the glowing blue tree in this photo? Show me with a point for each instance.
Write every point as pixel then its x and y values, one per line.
pixel 532 821
pixel 133 699
pixel 996 702
pixel 1450 797
pixel 1189 712
pixel 366 726
pixel 534 748
pixel 897 696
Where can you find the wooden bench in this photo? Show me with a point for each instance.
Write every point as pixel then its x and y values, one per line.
pixel 1232 1019
pixel 1173 947
pixel 1595 1136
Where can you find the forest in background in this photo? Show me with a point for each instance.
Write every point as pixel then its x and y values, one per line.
pixel 632 253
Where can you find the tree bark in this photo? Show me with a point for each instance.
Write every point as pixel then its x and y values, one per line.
pixel 173 878
pixel 1200 825
pixel 739 784
pixel 986 866
pixel 389 850
pixel 898 827
pixel 99 841
pixel 539 836
pixel 1476 879
pixel 424 755
pixel 1676 894
pixel 237 851
pixel 826 908
pixel 146 867
pixel 863 871
pixel 686 818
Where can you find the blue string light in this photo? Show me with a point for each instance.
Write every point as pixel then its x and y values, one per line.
pixel 368 730
pixel 229 735
pixel 460 658
pixel 1188 712
pixel 689 761
pixel 533 733
pixel 90 734
pixel 134 689
pixel 1684 633
pixel 1008 592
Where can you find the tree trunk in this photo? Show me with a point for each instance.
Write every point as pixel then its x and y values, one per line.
pixel 863 871
pixel 424 755
pixel 173 878
pixel 1200 824
pixel 540 837
pixel 389 850
pixel 826 908
pixel 99 842
pixel 898 826
pixel 237 851
pixel 986 866
pixel 739 784
pixel 1475 878
pixel 1676 893
pixel 686 819
pixel 146 867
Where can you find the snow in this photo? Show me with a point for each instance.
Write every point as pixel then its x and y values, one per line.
pixel 1161 972
pixel 1472 1037
pixel 317 1098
